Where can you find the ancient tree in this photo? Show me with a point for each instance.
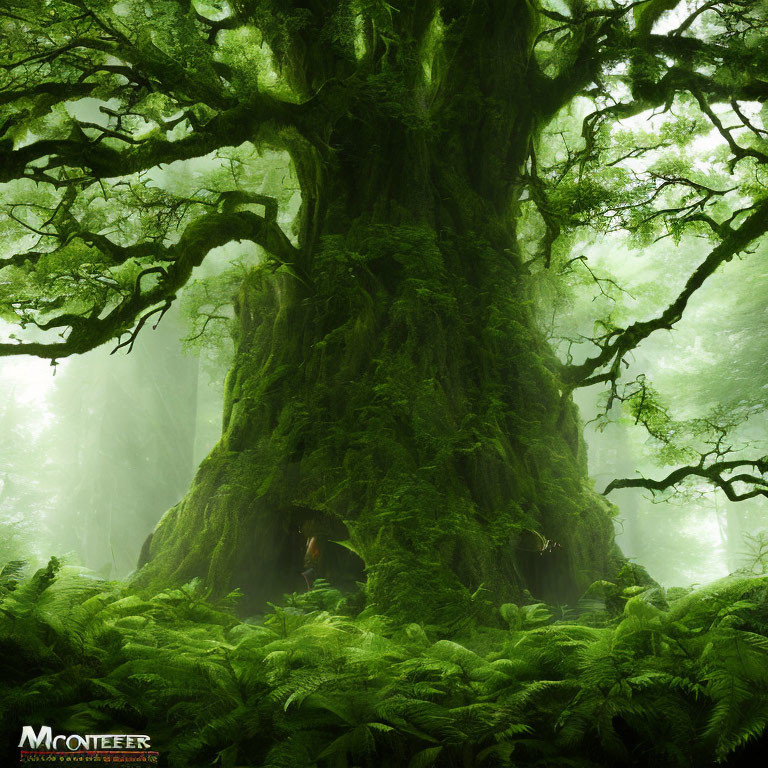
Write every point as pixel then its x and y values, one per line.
pixel 392 387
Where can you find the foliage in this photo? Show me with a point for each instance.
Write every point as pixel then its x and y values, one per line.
pixel 388 371
pixel 634 676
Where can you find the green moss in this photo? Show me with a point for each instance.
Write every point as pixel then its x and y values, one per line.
pixel 410 398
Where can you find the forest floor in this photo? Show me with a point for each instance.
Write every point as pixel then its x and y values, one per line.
pixel 634 677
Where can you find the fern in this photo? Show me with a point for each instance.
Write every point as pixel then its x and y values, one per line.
pixel 650 684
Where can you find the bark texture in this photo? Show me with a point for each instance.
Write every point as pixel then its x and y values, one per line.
pixel 394 392
pixel 404 402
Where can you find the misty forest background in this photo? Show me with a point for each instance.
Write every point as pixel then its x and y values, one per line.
pixel 98 447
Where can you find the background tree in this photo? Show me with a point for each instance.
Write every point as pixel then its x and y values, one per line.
pixel 122 446
pixel 711 368
pixel 23 473
pixel 391 383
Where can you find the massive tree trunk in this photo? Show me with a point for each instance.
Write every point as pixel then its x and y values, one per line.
pixel 395 392
pixel 405 402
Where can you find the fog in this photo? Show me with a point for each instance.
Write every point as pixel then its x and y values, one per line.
pixel 99 446
pixel 711 366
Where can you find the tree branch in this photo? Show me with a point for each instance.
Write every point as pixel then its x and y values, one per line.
pixel 198 239
pixel 714 474
pixel 230 128
pixel 624 340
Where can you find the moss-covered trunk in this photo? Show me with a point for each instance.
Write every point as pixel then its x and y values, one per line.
pixel 394 392
pixel 404 402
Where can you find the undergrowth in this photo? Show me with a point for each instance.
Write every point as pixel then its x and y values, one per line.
pixel 640 677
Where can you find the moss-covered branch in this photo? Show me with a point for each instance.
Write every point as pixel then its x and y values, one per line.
pixel 88 331
pixel 262 115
